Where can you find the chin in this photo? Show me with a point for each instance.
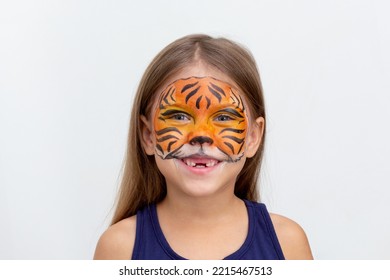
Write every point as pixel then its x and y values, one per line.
pixel 197 189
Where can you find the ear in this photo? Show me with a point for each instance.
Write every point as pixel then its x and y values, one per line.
pixel 254 137
pixel 147 137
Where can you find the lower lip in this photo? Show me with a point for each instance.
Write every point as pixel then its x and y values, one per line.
pixel 198 170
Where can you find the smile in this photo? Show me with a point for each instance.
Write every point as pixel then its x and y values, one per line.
pixel 200 162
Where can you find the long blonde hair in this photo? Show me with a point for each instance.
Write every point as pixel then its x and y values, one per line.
pixel 142 183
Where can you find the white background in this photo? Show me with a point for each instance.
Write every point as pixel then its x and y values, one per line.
pixel 68 73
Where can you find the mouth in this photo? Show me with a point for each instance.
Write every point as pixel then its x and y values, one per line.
pixel 200 162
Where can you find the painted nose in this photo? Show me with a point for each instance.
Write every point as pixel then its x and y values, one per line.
pixel 201 140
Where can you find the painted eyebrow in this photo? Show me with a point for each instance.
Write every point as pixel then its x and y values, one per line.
pixel 231 111
pixel 174 111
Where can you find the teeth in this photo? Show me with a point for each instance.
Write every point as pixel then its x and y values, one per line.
pixel 189 162
pixel 209 163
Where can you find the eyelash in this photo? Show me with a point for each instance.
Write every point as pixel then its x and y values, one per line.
pixel 226 118
pixel 180 117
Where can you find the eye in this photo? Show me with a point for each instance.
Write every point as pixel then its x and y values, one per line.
pixel 180 117
pixel 223 118
pixel 175 115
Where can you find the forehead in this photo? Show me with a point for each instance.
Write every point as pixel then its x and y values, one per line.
pixel 200 92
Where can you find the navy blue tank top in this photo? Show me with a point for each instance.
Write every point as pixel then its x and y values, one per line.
pixel 261 242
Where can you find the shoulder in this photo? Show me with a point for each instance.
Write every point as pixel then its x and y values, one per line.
pixel 292 238
pixel 117 241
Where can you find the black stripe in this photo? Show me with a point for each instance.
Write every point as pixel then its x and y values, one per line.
pixel 158 147
pixel 231 111
pixel 178 153
pixel 232 130
pixel 171 96
pixel 166 95
pixel 238 158
pixel 192 93
pixel 161 118
pixel 218 89
pixel 188 86
pixel 230 146
pixel 242 103
pixel 241 147
pixel 174 111
pixel 165 138
pixel 198 101
pixel 173 153
pixel 168 129
pixel 238 100
pixel 216 94
pixel 170 144
pixel 208 102
pixel 230 159
pixel 235 139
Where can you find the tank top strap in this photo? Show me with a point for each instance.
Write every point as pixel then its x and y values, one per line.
pixel 265 243
pixel 147 244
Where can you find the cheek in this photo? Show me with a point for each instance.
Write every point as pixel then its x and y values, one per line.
pixel 231 139
pixel 169 136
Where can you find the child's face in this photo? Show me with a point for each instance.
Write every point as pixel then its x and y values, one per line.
pixel 200 117
pixel 200 132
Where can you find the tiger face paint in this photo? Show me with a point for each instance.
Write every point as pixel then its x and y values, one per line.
pixel 202 118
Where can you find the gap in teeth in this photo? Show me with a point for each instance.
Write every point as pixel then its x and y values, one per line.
pixel 191 163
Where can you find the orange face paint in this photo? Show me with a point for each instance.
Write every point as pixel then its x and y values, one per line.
pixel 200 116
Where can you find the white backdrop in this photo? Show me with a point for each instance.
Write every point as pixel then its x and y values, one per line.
pixel 68 72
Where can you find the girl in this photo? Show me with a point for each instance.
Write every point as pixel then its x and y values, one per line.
pixel 194 152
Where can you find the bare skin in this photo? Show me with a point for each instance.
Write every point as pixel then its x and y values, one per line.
pixel 292 238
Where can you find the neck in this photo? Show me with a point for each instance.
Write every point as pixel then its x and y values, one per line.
pixel 201 209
